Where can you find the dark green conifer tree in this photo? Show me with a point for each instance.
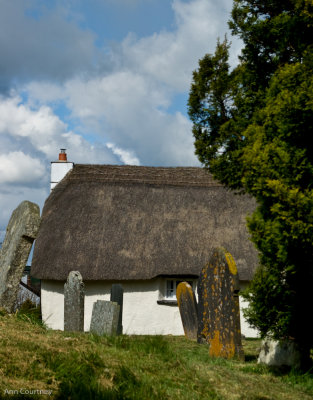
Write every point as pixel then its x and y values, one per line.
pixel 253 128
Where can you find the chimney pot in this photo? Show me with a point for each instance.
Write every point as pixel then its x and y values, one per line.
pixel 62 155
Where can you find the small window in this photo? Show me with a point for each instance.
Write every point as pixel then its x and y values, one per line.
pixel 171 285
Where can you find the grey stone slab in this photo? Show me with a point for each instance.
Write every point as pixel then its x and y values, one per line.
pixel 218 305
pixel 117 294
pixel 104 319
pixel 74 302
pixel 188 309
pixel 279 353
pixel 20 234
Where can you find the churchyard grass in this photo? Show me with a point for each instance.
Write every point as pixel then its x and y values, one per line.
pixel 86 366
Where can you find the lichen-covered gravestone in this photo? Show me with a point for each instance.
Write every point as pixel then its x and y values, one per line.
pixel 104 319
pixel 187 304
pixel 117 294
pixel 20 235
pixel 74 302
pixel 219 315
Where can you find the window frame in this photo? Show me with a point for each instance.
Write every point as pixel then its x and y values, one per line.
pixel 176 281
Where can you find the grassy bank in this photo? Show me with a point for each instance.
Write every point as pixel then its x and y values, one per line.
pixel 84 366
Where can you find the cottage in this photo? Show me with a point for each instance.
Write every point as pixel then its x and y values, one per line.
pixel 145 227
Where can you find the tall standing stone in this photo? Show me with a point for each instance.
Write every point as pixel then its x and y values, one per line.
pixel 104 319
pixel 117 294
pixel 219 316
pixel 74 299
pixel 187 304
pixel 20 235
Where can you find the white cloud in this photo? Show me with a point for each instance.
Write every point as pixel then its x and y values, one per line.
pixel 128 107
pixel 127 157
pixel 17 167
pixel 40 127
pixel 129 110
pixel 42 131
pixel 49 47
pixel 170 57
pixel 44 92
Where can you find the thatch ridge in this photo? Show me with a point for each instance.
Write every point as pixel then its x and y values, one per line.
pixel 176 176
pixel 129 222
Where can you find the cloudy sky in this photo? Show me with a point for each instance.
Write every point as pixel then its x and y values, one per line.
pixel 106 79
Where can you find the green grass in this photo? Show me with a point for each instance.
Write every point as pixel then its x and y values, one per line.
pixel 85 366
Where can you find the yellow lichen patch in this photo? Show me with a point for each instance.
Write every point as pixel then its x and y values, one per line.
pixel 183 289
pixel 220 349
pixel 215 345
pixel 231 263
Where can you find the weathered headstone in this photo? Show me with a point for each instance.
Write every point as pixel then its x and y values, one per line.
pixel 104 319
pixel 219 315
pixel 74 299
pixel 20 235
pixel 279 353
pixel 187 304
pixel 117 293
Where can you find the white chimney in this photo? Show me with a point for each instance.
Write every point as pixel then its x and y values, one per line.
pixel 59 168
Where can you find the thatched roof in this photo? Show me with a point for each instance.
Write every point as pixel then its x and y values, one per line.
pixel 129 222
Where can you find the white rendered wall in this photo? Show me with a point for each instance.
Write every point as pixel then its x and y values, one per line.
pixel 58 171
pixel 141 313
pixel 52 304
pixel 245 327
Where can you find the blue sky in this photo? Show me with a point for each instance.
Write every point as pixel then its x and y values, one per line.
pixel 106 79
pixel 113 20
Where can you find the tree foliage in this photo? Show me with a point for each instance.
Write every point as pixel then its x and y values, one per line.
pixel 253 128
pixel 278 172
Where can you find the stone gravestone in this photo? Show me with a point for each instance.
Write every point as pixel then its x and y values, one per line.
pixel 105 317
pixel 74 298
pixel 188 309
pixel 20 235
pixel 117 293
pixel 279 353
pixel 219 315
